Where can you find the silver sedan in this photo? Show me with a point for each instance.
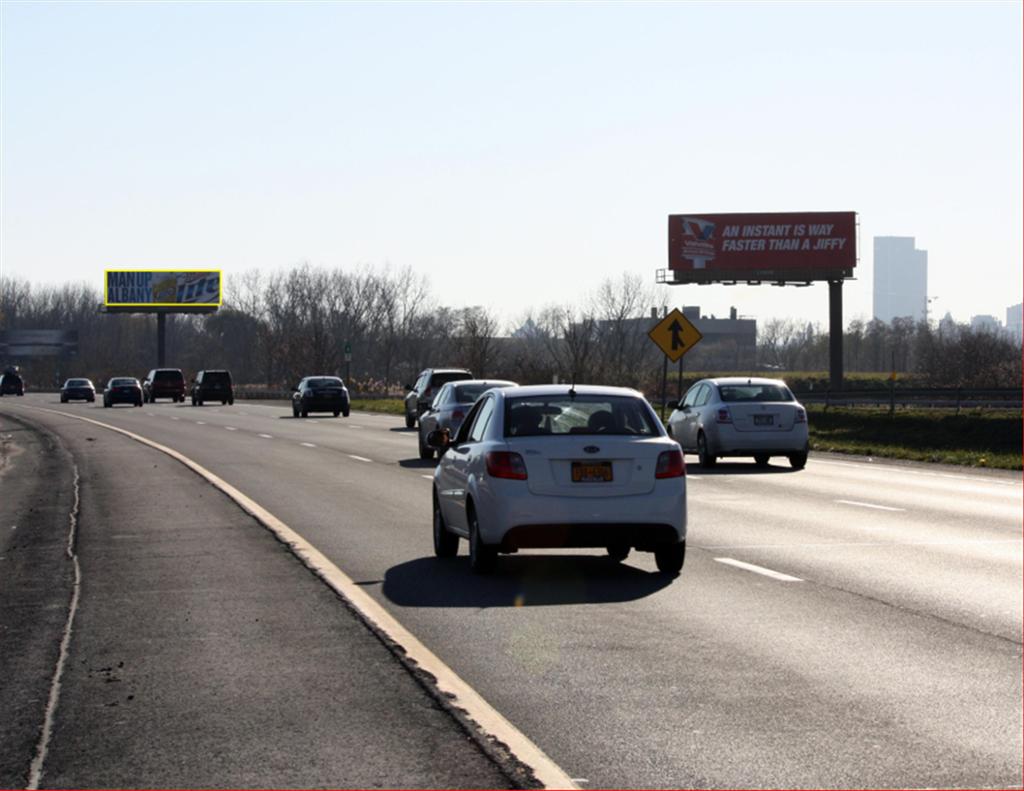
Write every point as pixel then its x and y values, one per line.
pixel 450 406
pixel 741 416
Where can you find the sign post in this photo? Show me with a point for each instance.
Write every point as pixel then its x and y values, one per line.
pixel 675 335
pixel 348 361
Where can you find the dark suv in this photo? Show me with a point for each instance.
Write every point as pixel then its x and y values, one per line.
pixel 212 386
pixel 11 384
pixel 422 393
pixel 164 383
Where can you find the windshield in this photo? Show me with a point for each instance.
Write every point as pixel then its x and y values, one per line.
pixel 79 383
pixel 324 381
pixel 754 392
pixel 123 382
pixel 173 376
pixel 468 394
pixel 584 414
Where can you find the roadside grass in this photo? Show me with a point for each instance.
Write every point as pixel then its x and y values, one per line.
pixel 977 438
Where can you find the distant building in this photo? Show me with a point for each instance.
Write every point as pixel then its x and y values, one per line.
pixel 1013 322
pixel 986 324
pixel 901 279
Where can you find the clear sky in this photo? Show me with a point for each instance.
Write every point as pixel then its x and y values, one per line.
pixel 515 153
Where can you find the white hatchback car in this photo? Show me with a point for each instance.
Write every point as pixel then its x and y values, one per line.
pixel 560 466
pixel 741 416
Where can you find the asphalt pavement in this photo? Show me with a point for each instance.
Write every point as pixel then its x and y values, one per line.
pixel 201 653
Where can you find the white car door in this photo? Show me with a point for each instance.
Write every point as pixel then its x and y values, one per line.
pixel 454 467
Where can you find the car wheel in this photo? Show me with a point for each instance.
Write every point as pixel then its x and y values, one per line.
pixel 106 405
pixel 295 411
pixel 199 401
pixel 618 552
pixel 305 413
pixel 761 459
pixel 337 412
pixel 193 401
pixel 138 403
pixel 669 559
pixel 446 543
pixel 707 459
pixel 482 557
pixel 224 402
pixel 345 411
pixel 63 400
pixel 798 460
pixel 410 421
pixel 426 452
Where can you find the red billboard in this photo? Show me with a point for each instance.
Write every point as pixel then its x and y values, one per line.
pixel 779 247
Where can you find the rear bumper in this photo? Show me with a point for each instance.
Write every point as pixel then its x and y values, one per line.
pixel 640 536
pixel 730 442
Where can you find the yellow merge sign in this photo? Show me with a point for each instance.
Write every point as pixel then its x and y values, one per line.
pixel 675 335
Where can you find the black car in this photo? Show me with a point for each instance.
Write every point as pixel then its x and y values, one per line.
pixel 11 384
pixel 164 383
pixel 427 384
pixel 211 385
pixel 77 390
pixel 122 390
pixel 320 394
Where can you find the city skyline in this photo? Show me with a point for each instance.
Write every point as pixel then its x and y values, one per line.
pixel 515 155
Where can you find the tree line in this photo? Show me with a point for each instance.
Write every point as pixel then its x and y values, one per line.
pixel 273 328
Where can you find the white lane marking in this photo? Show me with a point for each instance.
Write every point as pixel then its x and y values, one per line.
pixel 927 473
pixel 265 436
pixel 230 428
pixel 200 422
pixel 775 575
pixel 175 418
pixel 350 425
pixel 870 505
pixel 307 444
pixel 428 477
pixel 889 544
pixel 482 721
pixel 360 458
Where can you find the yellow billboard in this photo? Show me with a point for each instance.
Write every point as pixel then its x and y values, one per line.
pixel 162 288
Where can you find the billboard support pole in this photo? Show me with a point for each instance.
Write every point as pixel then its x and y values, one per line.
pixel 161 339
pixel 835 334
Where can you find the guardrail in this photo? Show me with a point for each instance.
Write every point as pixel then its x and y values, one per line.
pixel 945 397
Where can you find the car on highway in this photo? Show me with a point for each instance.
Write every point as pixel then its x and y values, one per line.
pixel 450 406
pixel 122 390
pixel 320 394
pixel 77 390
pixel 560 466
pixel 164 383
pixel 427 384
pixel 741 416
pixel 11 383
pixel 212 385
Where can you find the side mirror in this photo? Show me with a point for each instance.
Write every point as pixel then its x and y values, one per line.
pixel 439 439
pixel 408 387
pixel 295 388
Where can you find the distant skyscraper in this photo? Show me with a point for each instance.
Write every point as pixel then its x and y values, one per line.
pixel 985 323
pixel 901 279
pixel 1013 322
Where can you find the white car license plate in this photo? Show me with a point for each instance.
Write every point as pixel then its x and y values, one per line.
pixel 591 471
pixel 764 420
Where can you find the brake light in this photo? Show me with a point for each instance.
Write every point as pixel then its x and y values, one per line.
pixel 427 393
pixel 670 465
pixel 724 415
pixel 458 414
pixel 801 416
pixel 503 464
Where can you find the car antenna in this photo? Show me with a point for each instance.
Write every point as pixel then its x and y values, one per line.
pixel 572 387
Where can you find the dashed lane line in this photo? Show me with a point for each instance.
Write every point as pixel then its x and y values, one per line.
pixel 307 444
pixel 870 505
pixel 775 575
pixel 359 458
pixel 487 726
pixel 230 428
pixel 265 436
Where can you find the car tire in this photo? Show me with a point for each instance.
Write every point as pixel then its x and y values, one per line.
pixel 231 401
pixel 345 411
pixel 337 412
pixel 106 405
pixel 798 460
pixel 426 452
pixel 138 403
pixel 446 543
pixel 63 400
pixel 482 557
pixel 410 421
pixel 295 411
pixel 707 459
pixel 669 559
pixel 199 401
pixel 304 413
pixel 761 459
pixel 224 402
pixel 618 552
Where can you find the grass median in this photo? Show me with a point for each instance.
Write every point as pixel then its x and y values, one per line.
pixel 976 438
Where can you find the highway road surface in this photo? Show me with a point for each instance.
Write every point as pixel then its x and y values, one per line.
pixel 856 624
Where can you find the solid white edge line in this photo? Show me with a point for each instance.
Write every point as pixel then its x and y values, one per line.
pixel 870 505
pixel 776 575
pixel 453 691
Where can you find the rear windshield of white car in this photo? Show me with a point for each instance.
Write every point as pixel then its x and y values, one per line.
pixel 584 414
pixel 468 394
pixel 752 392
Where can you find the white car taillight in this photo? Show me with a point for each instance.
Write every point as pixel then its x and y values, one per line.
pixel 670 465
pixel 723 415
pixel 801 416
pixel 503 464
